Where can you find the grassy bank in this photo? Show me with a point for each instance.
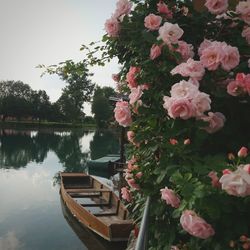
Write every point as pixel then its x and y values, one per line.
pixel 34 124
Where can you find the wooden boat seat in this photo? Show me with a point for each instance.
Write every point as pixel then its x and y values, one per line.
pixel 89 190
pixel 95 204
pixel 105 214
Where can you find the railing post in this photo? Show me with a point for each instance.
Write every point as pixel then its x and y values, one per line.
pixel 141 243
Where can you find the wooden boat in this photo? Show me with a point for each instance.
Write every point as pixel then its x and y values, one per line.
pixel 95 206
pixel 90 240
pixel 103 163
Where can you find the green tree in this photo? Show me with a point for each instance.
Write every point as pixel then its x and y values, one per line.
pixel 101 106
pixel 41 106
pixel 78 90
pixel 15 99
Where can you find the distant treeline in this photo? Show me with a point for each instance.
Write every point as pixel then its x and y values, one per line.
pixel 18 101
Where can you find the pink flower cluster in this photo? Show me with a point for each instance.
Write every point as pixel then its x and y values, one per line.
pixel 126 195
pixel 132 174
pixel 170 197
pixel 243 9
pixel 240 86
pixel 112 25
pixel 237 183
pixel 191 68
pixel 217 6
pixel 195 225
pixel 123 114
pixel 186 101
pixel 214 53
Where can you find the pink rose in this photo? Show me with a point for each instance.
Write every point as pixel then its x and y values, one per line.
pixel 123 7
pixel 240 86
pixel 112 27
pixel 170 197
pixel 181 108
pixel 131 164
pixel 231 57
pixel 191 68
pixel 226 171
pixel 132 183
pixel 214 179
pixel 174 248
pixel 155 51
pixel 234 89
pixel 123 114
pixel 139 175
pixel 243 152
pixel 162 8
pixel 131 76
pixel 135 95
pixel 243 9
pixel 130 136
pixel 236 183
pixel 246 33
pixel 204 45
pixel 201 103
pixel 184 89
pixel 173 141
pixel 216 121
pixel 217 6
pixel 212 56
pixel 185 49
pixel 152 22
pixel 195 225
pixel 116 77
pixel 187 141
pixel 170 33
pixel 247 168
pixel 126 195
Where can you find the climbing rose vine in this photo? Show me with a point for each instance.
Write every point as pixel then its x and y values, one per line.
pixel 185 72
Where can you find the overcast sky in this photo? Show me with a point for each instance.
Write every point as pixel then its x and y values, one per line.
pixel 34 32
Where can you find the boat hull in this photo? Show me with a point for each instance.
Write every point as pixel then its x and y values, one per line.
pixel 111 224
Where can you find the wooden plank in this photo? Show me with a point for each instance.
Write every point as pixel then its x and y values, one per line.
pixel 104 214
pixel 86 195
pixel 87 190
pixel 94 204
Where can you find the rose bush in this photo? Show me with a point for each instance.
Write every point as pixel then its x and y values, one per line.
pixel 185 68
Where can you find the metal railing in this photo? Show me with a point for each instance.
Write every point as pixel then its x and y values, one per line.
pixel 142 239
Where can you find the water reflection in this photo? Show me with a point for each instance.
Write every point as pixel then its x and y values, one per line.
pixel 30 211
pixel 18 148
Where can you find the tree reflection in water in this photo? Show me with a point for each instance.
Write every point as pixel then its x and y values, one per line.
pixel 19 147
pixel 103 143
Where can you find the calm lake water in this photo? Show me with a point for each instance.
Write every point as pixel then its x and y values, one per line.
pixel 31 214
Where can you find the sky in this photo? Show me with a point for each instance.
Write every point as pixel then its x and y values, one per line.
pixel 47 32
